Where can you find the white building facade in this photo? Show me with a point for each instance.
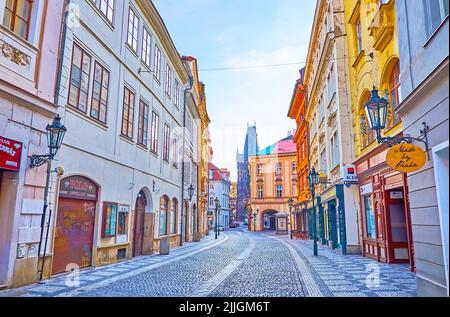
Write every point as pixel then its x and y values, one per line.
pixel 121 99
pixel 219 187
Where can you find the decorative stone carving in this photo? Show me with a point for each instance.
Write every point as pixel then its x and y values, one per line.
pixel 15 55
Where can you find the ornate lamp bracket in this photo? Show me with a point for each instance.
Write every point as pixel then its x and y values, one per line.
pixel 392 141
pixel 39 160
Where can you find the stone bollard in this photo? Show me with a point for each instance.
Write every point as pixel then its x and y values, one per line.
pixel 164 247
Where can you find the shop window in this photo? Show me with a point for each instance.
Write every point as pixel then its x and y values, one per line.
pixel 18 16
pixel 163 216
pixel 109 220
pixel 122 221
pixel 370 218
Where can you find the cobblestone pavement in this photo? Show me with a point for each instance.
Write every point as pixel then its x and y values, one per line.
pixel 239 264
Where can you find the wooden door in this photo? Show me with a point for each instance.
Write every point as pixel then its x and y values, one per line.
pixel 139 222
pixel 73 234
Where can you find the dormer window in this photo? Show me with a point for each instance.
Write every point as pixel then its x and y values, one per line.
pixel 18 16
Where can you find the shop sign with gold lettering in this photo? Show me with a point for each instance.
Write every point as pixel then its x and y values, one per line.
pixel 406 158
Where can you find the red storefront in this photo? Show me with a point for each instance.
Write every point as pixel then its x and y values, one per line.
pixel 384 210
pixel 74 231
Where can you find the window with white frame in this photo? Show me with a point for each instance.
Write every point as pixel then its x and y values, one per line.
pixel 436 12
pixel 260 191
pixel 146 47
pixel 168 81
pixel 157 63
pixel 323 160
pixel 259 168
pixel 166 151
pixel 133 27
pixel 335 156
pixel 154 133
pixel 358 29
pixel 106 7
pixel 279 190
pixel 177 94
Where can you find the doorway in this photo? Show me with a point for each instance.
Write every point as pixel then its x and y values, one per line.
pixel 270 220
pixel 139 224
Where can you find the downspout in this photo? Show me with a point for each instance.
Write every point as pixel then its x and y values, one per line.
pixel 186 90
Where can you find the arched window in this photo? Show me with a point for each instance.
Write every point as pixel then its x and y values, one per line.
pixel 163 215
pixel 395 93
pixel 173 216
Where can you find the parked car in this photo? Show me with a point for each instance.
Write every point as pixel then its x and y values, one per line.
pixel 220 228
pixel 234 224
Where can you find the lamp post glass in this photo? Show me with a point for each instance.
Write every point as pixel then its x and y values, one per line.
pixel 191 192
pixel 313 179
pixel 376 111
pixel 55 135
pixel 291 204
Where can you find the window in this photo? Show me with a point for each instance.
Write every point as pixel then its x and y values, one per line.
pixel 122 223
pixel 17 16
pixel 79 79
pixel 166 143
pixel 175 150
pixel 109 220
pixel 106 7
pixel 100 89
pixel 146 47
pixel 321 110
pixel 168 81
pixel 154 132
pixel 395 91
pixel 259 168
pixel 370 218
pixel 211 201
pixel 323 160
pixel 128 113
pixel 177 94
pixel 164 206
pixel 260 191
pixel 437 11
pixel 359 36
pixel 278 168
pixel 335 157
pixel 173 217
pixel 143 124
pixel 133 26
pixel 294 168
pixel 157 63
pixel 279 191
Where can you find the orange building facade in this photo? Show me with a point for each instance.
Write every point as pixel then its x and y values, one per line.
pixel 297 111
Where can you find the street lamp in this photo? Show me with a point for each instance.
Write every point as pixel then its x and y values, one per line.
pixel 191 192
pixel 313 180
pixel 55 136
pixel 291 205
pixel 217 203
pixel 376 111
pixel 249 214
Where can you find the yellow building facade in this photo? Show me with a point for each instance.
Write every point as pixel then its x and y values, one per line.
pixel 273 180
pixel 384 219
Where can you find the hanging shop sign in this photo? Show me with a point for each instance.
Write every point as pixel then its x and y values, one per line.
pixel 10 154
pixel 349 175
pixel 406 158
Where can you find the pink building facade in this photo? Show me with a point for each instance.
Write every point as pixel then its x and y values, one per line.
pixel 30 37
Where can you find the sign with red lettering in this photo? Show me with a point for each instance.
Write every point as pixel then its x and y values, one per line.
pixel 78 187
pixel 10 154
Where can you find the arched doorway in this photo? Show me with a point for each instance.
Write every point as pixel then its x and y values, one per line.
pixel 74 231
pixel 269 220
pixel 139 224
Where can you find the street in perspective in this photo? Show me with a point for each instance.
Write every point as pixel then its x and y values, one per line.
pixel 224 149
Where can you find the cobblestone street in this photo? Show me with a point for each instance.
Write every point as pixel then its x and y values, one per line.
pixel 238 264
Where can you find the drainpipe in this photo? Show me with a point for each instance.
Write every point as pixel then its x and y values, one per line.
pixel 186 91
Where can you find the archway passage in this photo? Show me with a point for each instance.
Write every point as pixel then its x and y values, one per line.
pixel 139 223
pixel 269 220
pixel 74 230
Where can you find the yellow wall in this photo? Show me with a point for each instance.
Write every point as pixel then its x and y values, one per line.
pixel 378 30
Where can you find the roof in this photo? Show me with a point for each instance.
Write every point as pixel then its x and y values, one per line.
pixel 283 146
pixel 218 174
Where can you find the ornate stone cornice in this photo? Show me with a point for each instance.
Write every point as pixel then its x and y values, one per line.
pixel 14 54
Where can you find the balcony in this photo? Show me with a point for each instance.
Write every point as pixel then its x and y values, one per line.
pixel 382 26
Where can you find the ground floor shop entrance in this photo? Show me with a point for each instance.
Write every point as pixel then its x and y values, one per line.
pixel 75 220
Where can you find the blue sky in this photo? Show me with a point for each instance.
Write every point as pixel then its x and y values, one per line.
pixel 243 33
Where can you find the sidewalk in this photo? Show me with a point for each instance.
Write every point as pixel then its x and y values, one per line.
pixel 355 275
pixel 61 284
